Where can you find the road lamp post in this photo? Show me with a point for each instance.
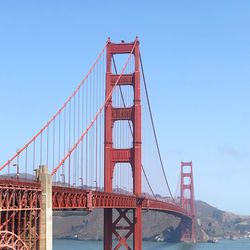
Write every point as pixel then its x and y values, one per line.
pixel 95 184
pixel 17 169
pixel 63 178
pixel 81 180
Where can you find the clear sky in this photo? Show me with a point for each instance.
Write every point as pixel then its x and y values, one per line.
pixel 197 60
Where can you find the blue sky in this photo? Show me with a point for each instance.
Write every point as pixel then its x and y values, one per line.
pixel 196 56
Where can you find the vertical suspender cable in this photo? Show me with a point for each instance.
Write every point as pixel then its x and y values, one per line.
pixel 64 144
pixel 53 147
pixel 59 141
pixel 47 147
pixel 26 161
pixel 78 134
pixel 74 139
pixel 69 165
pixel 86 161
pixel 41 148
pixel 34 155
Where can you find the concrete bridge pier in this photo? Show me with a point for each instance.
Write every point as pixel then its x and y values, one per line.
pixel 46 204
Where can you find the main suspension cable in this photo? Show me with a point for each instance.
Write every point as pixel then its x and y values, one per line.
pixel 68 155
pixel 130 128
pixel 154 131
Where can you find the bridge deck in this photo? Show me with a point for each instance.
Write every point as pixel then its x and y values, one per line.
pixel 66 198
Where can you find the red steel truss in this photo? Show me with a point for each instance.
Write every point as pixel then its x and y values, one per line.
pixel 9 240
pixel 20 212
pixel 187 202
pixel 64 198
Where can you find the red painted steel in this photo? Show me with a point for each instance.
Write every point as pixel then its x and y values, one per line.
pixel 9 240
pixel 75 198
pixel 20 206
pixel 21 209
pixel 20 199
pixel 132 155
pixel 187 201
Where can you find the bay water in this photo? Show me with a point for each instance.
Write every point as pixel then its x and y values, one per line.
pixel 243 244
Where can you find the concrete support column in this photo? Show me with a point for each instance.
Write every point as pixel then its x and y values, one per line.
pixel 46 214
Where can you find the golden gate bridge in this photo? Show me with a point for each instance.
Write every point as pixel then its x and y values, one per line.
pixel 84 158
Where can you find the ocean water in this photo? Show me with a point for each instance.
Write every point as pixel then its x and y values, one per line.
pixel 98 245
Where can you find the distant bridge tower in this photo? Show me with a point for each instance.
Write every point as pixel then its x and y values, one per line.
pixel 188 232
pixel 112 228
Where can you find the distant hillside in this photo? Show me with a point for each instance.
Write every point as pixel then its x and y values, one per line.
pixel 218 223
pixel 211 222
pixel 90 227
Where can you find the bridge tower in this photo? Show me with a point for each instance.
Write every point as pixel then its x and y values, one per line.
pixel 131 155
pixel 188 232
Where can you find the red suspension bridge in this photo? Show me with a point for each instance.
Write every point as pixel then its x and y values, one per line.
pixel 89 156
